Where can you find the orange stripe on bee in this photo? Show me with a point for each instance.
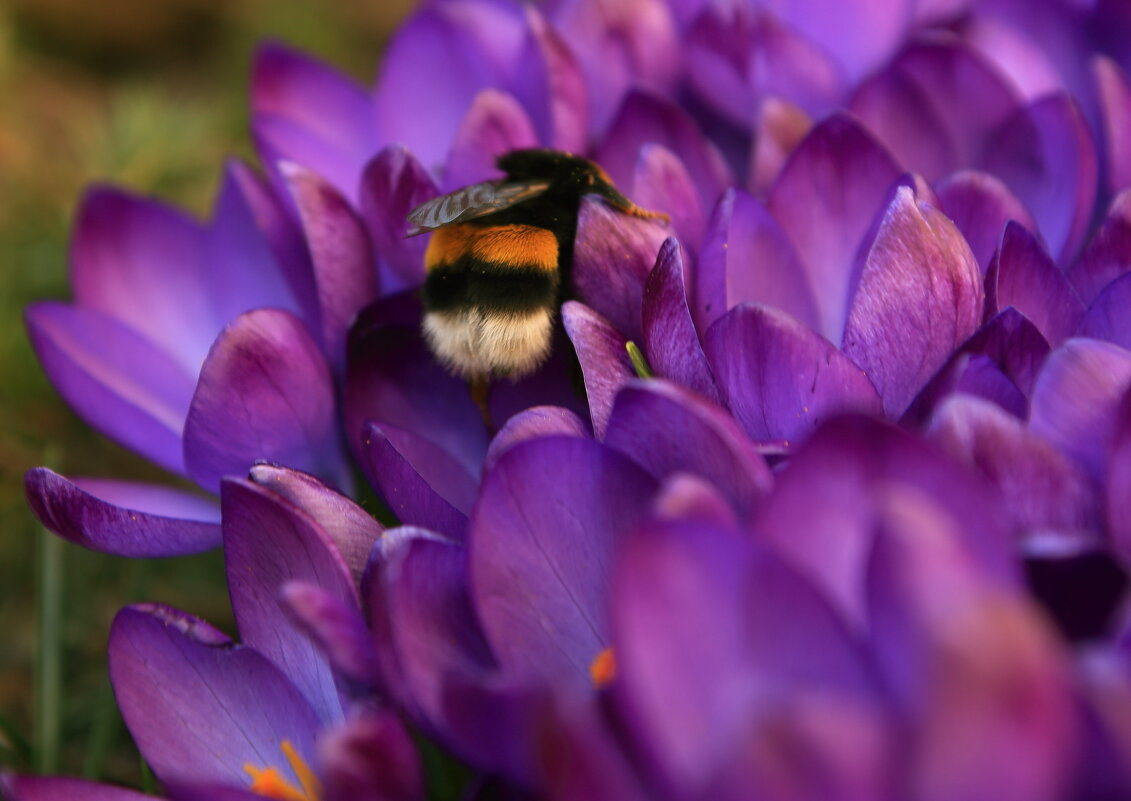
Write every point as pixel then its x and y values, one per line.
pixel 448 244
pixel 517 246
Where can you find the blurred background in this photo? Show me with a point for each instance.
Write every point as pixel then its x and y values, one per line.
pixel 150 95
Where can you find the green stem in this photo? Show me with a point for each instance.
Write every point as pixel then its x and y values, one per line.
pixel 48 704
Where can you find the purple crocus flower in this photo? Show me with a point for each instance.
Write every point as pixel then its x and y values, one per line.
pixel 273 715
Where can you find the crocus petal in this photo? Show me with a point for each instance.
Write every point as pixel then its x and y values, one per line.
pixel 341 256
pixel 1023 276
pixel 1106 256
pixel 605 364
pixel 118 381
pixel 143 263
pixel 540 551
pixel 1118 500
pixel 779 128
pixel 1107 318
pixel 420 481
pixel 392 378
pixel 661 182
pixel 980 205
pixel 136 520
pixel 1047 157
pixel 1044 491
pixel 495 124
pixel 612 257
pixel 351 528
pixel 393 184
pixel 827 198
pixel 265 392
pixel 538 421
pixel 337 628
pixel 920 297
pixel 228 705
pixel 1115 109
pixel 480 42
pixel 747 258
pixel 684 496
pixel 853 465
pixel 670 339
pixel 57 788
pixel 370 757
pixel 665 429
pixel 649 119
pixel 329 111
pixel 691 691
pixel 923 109
pixel 1076 399
pixel 552 84
pixel 779 378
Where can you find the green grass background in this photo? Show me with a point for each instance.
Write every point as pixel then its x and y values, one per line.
pixel 151 95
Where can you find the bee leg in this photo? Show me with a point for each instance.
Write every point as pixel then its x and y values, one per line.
pixel 480 385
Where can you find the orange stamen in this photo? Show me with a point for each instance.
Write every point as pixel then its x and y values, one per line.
pixel 603 669
pixel 269 783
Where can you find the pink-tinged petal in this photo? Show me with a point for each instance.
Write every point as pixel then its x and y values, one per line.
pixel 666 429
pixel 1107 318
pixel 393 184
pixel 200 707
pixel 1075 403
pixel 920 296
pixel 779 128
pixel 1029 45
pixel 738 54
pixel 671 342
pixel 1023 276
pixel 692 691
pixel 662 183
pixel 1117 506
pixel 115 379
pixel 747 258
pixel 423 484
pixel 197 791
pixel 265 393
pixel 860 34
pixel 330 111
pixel 351 528
pixel 392 378
pixel 780 379
pixel 1108 255
pixel 421 96
pixel 244 267
pixel 144 264
pixel 999 362
pixel 540 552
pixel 1115 113
pixel 127 519
pixel 495 124
pixel 337 629
pixel 612 257
pixel 279 140
pixel 552 85
pixel 370 756
pixel 855 465
pixel 684 496
pixel 827 198
pixel 985 684
pixel 268 542
pixel 1046 155
pixel 57 788
pixel 533 423
pixel 924 109
pixel 980 205
pixel 605 364
pixel 650 119
pixel 341 256
pixel 1044 491
pixel 620 46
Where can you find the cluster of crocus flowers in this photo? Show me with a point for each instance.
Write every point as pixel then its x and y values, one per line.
pixel 840 513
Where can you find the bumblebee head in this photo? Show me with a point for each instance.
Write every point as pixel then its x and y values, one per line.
pixel 569 174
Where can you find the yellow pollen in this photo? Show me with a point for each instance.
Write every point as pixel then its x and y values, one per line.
pixel 269 783
pixel 603 669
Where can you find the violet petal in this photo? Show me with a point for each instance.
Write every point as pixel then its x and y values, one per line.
pixel 980 205
pixel 1115 110
pixel 604 361
pixel 370 756
pixel 662 183
pixel 532 423
pixel 1108 253
pixel 684 496
pixel 552 84
pixel 495 124
pixel 123 518
pixel 1107 318
pixel 337 629
pixel 58 788
pixel 778 130
pixel 1117 504
pixel 860 34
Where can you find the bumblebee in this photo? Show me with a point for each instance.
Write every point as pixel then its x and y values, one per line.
pixel 499 262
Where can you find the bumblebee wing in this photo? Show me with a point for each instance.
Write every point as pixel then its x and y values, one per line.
pixel 477 200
